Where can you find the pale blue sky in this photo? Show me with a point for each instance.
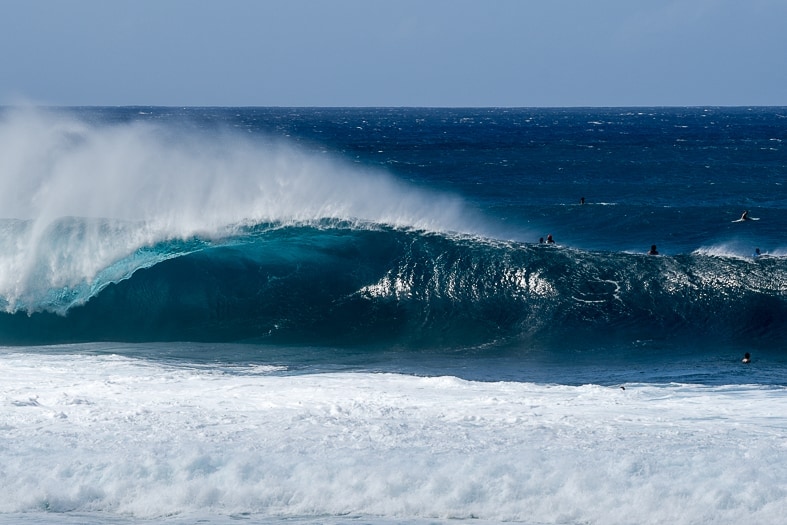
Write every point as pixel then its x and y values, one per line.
pixel 394 53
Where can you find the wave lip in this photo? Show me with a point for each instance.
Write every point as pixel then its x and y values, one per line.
pixel 71 260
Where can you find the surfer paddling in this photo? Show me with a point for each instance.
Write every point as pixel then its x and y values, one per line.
pixel 746 218
pixel 746 358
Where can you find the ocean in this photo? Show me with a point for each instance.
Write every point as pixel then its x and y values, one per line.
pixel 353 315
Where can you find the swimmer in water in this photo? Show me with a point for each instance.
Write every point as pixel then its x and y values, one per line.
pixel 746 358
pixel 653 250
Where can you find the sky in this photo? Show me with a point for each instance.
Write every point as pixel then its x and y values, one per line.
pixel 440 53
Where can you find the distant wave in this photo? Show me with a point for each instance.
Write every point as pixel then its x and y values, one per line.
pixel 341 283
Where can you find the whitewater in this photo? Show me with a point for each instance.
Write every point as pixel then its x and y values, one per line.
pixel 327 315
pixel 109 439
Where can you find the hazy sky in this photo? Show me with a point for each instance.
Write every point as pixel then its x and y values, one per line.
pixel 393 53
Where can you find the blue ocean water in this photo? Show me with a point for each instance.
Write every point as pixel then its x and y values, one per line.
pixel 383 270
pixel 391 242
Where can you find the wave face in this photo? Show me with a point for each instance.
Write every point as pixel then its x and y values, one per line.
pixel 350 284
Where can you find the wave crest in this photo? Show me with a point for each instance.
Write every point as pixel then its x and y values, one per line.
pixel 86 202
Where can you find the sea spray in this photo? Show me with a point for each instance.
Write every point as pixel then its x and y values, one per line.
pixel 79 196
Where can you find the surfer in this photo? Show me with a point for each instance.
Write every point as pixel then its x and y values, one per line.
pixel 653 250
pixel 582 200
pixel 756 253
pixel 550 240
pixel 746 358
pixel 745 216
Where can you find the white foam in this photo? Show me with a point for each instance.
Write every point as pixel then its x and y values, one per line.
pixel 735 250
pixel 86 435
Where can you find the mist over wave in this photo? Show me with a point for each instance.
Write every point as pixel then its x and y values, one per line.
pixel 79 196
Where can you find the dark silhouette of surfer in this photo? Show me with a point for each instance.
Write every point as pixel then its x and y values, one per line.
pixel 550 240
pixel 582 200
pixel 653 250
pixel 745 216
pixel 746 358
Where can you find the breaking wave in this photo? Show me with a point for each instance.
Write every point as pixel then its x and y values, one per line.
pixel 145 232
pixel 340 283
